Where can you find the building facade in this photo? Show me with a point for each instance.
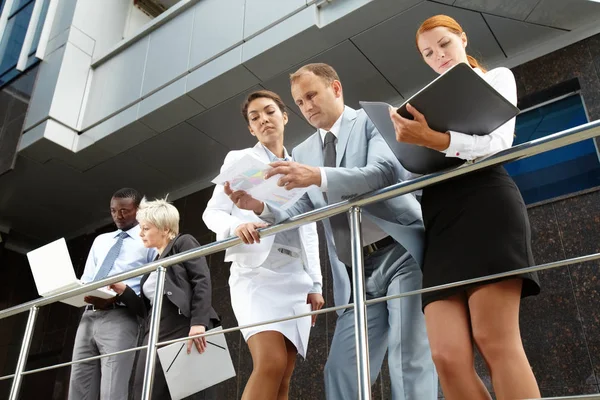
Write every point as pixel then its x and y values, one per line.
pixel 100 95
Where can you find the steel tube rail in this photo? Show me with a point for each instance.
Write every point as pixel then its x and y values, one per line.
pixel 81 360
pixel 535 268
pixel 551 265
pixel 153 334
pixel 361 330
pixel 569 136
pixel 25 345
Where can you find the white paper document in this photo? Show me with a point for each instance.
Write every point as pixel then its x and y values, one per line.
pixel 248 174
pixel 187 374
pixel 304 325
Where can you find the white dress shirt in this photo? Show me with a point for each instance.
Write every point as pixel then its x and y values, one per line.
pixel 132 255
pixel 470 147
pixel 290 238
pixel 371 232
pixel 150 286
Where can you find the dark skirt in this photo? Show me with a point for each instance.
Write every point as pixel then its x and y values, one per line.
pixel 475 225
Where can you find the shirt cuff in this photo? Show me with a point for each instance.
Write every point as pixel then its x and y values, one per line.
pixel 323 186
pixel 266 214
pixel 461 146
pixel 317 288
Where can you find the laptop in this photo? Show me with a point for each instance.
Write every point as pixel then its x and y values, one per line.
pixel 53 273
pixel 459 100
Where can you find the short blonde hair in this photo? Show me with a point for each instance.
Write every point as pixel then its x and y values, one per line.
pixel 161 214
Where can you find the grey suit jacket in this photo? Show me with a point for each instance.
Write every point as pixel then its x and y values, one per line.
pixel 364 163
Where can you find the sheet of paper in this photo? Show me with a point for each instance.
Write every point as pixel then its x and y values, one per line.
pixel 248 174
pixel 304 325
pixel 187 374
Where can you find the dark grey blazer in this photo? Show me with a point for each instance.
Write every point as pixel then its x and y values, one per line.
pixel 187 286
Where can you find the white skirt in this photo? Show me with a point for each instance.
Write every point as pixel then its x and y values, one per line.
pixel 268 292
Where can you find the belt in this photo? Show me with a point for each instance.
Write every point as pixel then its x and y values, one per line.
pixel 380 244
pixel 113 306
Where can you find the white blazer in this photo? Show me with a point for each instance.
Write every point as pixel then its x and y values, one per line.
pixel 222 217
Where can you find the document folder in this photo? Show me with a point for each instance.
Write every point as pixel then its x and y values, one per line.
pixel 187 374
pixel 458 100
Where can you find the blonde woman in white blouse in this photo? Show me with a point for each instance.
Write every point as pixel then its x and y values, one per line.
pixel 475 225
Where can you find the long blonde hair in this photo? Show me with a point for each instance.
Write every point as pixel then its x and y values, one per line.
pixel 453 26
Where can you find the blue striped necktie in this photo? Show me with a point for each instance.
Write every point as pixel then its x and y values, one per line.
pixel 111 257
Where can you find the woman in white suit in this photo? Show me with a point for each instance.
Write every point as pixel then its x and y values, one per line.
pixel 269 278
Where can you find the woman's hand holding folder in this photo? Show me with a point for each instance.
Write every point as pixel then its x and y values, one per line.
pixel 417 131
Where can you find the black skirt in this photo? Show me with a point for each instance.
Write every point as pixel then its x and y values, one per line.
pixel 475 225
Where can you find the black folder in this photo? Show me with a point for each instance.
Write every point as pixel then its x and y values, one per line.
pixel 459 100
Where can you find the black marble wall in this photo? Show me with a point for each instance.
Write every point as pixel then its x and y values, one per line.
pixel 560 327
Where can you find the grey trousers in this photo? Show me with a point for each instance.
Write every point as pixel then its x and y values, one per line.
pixel 102 332
pixel 396 327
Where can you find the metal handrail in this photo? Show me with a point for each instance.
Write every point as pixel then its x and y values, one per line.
pixel 536 268
pixel 353 207
pixel 551 142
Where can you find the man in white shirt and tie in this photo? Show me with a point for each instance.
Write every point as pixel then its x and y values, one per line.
pixel 107 326
pixel 345 158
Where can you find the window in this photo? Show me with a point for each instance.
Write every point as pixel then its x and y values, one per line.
pixel 14 36
pixel 558 172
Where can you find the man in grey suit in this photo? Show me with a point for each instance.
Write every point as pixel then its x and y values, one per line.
pixel 347 157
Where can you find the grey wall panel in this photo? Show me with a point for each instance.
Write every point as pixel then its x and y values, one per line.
pixel 70 87
pixel 191 155
pixel 116 83
pixel 225 124
pixel 105 24
pixel 262 13
pixel 220 79
pixel 360 79
pixel 399 60
pixel 218 26
pixel 168 107
pixel 566 14
pixel 81 40
pixel 518 9
pixel 354 16
pixel 168 52
pixel 63 17
pixel 285 45
pixel 126 170
pixel 516 36
pixel 43 91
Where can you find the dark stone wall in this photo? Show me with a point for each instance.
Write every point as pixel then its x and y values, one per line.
pixel 560 327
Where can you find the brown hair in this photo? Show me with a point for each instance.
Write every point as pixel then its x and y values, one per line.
pixel 323 71
pixel 450 24
pixel 259 94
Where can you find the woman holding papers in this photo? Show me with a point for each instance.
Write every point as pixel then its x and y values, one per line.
pixel 476 225
pixel 186 306
pixel 275 277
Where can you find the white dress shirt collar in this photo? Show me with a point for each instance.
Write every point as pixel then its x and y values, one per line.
pixel 335 129
pixel 272 157
pixel 132 232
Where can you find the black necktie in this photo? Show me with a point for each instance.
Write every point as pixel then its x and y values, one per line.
pixel 339 223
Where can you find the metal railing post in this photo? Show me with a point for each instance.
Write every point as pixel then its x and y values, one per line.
pixel 153 334
pixel 360 308
pixel 27 336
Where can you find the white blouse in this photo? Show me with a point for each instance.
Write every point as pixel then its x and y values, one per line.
pixel 470 147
